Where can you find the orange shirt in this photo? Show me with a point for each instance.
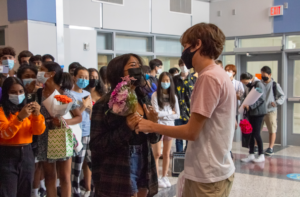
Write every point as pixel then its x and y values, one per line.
pixel 15 132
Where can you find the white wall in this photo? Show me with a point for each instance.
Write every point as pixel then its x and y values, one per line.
pixel 132 16
pixel 166 22
pixel 251 17
pixel 42 38
pixel 82 13
pixel 74 40
pixel 200 11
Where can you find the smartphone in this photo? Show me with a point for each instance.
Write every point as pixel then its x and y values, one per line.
pixel 30 98
pixel 4 69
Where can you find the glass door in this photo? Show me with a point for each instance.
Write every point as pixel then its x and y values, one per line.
pixel 293 116
pixel 253 65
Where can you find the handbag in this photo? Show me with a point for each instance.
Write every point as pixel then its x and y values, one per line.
pixel 60 142
pixel 246 129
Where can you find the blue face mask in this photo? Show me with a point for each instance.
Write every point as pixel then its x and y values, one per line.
pixel 27 81
pixel 147 76
pixel 82 83
pixel 16 99
pixel 9 63
pixel 165 85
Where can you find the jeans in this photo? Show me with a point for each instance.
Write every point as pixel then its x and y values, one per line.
pixel 179 142
pixel 16 171
pixel 256 122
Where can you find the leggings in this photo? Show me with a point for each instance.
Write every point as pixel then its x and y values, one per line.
pixel 256 122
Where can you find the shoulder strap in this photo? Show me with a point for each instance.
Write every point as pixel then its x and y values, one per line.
pixel 274 86
pixel 39 95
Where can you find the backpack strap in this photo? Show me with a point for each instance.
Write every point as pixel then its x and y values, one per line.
pixel 274 87
pixel 39 95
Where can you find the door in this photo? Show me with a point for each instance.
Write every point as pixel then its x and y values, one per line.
pixel 293 105
pixel 253 64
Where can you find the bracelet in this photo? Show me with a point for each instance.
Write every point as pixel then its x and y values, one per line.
pixel 21 120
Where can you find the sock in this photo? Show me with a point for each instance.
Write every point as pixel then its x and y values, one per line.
pixel 42 184
pixel 34 192
pixel 57 183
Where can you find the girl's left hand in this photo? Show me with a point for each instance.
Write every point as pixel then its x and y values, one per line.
pixel 36 108
pixel 144 126
pixel 151 114
pixel 246 107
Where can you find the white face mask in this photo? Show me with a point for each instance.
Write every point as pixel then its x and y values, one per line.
pixel 229 74
pixel 41 77
pixel 159 71
pixel 184 69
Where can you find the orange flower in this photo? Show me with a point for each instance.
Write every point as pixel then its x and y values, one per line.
pixel 63 99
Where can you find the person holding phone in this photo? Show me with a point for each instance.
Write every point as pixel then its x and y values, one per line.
pixel 83 99
pixel 19 121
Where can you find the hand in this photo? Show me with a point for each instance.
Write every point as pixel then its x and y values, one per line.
pixel 31 87
pixel 273 104
pixel 238 97
pixel 173 112
pixel 144 126
pixel 56 122
pixel 133 120
pixel 36 108
pixel 26 111
pixel 236 125
pixel 246 107
pixel 151 114
pixel 86 102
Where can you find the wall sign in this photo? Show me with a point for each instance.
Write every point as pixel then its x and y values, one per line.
pixel 276 10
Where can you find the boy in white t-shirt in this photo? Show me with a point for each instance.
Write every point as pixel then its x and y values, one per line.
pixel 210 129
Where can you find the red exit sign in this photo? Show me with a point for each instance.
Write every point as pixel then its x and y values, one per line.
pixel 276 10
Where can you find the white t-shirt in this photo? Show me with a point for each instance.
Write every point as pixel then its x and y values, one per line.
pixel 208 158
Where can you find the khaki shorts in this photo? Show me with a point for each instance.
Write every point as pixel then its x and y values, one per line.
pixel 217 189
pixel 271 121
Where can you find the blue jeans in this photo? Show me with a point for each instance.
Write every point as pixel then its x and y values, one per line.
pixel 179 142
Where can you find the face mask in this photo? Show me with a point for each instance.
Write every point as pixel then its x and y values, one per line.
pixel 165 85
pixel 41 77
pixel 147 76
pixel 137 74
pixel 176 74
pixel 9 63
pixel 93 83
pixel 249 85
pixel 28 81
pixel 187 57
pixel 16 99
pixel 265 78
pixel 229 74
pixel 82 83
pixel 159 71
pixel 184 69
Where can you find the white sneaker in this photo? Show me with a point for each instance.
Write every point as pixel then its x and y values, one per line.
pixel 166 181
pixel 87 194
pixel 250 157
pixel 261 158
pixel 161 184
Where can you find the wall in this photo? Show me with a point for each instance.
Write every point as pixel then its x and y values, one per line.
pixel 74 39
pixel 200 11
pixel 3 13
pixel 251 17
pixel 132 16
pixel 289 22
pixel 42 38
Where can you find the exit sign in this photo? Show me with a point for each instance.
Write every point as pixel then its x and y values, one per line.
pixel 276 10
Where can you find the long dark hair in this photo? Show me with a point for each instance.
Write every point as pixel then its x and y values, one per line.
pixel 100 88
pixel 9 107
pixel 103 74
pixel 66 82
pixel 53 66
pixel 115 70
pixel 171 91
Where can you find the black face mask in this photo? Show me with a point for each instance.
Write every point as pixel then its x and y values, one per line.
pixel 187 57
pixel 93 83
pixel 138 75
pixel 265 78
pixel 249 85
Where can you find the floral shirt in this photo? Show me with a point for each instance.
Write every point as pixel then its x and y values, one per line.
pixel 184 89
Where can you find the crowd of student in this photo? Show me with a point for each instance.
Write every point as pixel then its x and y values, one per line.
pixel 123 152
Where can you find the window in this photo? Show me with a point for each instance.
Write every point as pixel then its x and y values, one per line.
pixel 104 41
pixel 261 42
pixel 146 60
pixel 293 42
pixel 228 59
pixel 229 45
pixel 296 120
pixel 169 62
pixel 168 45
pixel 2 37
pixel 103 60
pixel 296 78
pixel 182 6
pixel 133 43
pixel 255 67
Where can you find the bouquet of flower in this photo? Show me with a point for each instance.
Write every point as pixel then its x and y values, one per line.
pixel 63 99
pixel 246 127
pixel 123 100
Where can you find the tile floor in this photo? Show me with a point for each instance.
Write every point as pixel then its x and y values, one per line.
pixel 268 179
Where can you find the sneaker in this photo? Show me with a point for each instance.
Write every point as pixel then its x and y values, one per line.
pixel 87 194
pixel 161 184
pixel 250 157
pixel 42 192
pixel 255 149
pixel 269 151
pixel 166 181
pixel 261 158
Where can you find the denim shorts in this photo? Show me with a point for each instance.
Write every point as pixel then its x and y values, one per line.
pixel 138 167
